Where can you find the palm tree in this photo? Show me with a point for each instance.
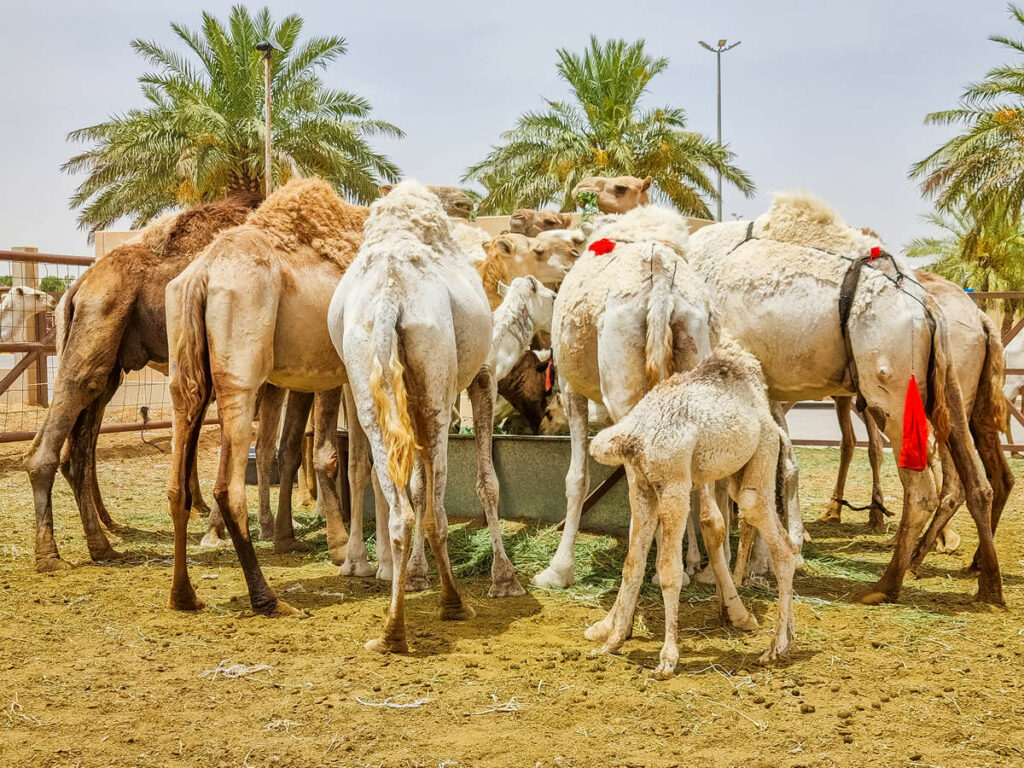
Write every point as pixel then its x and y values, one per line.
pixel 603 131
pixel 982 254
pixel 201 134
pixel 982 168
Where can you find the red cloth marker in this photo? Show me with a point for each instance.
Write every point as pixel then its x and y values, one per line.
pixel 914 451
pixel 601 247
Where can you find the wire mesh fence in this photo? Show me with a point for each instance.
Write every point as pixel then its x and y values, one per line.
pixel 31 285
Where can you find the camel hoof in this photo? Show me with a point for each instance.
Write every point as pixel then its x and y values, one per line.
pixel 186 603
pixel 597 633
pixel 52 565
pixel 266 532
pixel 112 526
pixel 107 554
pixel 830 516
pixel 338 554
pixel 665 670
pixel 284 611
pixel 360 568
pixel 417 583
pixel 554 578
pixel 772 656
pixel 707 576
pixel 746 623
pixel 213 540
pixel 873 597
pixel 949 543
pixel 383 573
pixel 384 645
pixel 460 612
pixel 283 546
pixel 506 588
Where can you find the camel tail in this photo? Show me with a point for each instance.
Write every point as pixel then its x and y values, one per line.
pixel 659 355
pixel 391 401
pixel 941 374
pixel 192 379
pixel 63 316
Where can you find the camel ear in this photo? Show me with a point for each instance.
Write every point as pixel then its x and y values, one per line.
pixel 646 185
pixel 502 289
pixel 18 290
pixel 383 189
pixel 542 354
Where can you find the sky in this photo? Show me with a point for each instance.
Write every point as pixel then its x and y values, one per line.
pixel 821 95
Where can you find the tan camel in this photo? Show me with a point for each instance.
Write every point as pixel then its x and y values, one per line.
pixel 630 313
pixel 777 282
pixel 525 221
pixel 615 194
pixel 111 320
pixel 252 310
pixel 712 423
pixel 411 321
pixel 548 258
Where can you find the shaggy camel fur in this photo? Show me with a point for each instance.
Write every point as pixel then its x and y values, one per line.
pixel 251 310
pixel 623 320
pixel 111 320
pixel 616 194
pixel 19 306
pixel 977 352
pixel 411 322
pixel 712 423
pixel 776 284
pixel 525 221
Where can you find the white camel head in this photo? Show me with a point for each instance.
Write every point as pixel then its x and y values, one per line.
pixel 18 306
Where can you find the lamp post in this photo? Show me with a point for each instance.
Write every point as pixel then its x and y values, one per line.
pixel 266 47
pixel 718 51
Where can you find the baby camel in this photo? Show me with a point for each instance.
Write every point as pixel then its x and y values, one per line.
pixel 711 423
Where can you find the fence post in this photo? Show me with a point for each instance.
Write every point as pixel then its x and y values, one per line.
pixel 26 273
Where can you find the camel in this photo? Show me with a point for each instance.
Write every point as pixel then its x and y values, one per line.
pixel 411 321
pixel 777 283
pixel 615 194
pixel 111 320
pixel 548 258
pixel 630 313
pixel 709 424
pixel 251 311
pixel 977 351
pixel 20 305
pixel 525 221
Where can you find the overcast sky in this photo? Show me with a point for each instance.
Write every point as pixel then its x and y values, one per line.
pixel 823 96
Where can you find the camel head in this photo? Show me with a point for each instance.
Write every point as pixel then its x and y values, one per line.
pixel 456 203
pixel 615 194
pixel 28 300
pixel 536 300
pixel 554 253
pixel 531 223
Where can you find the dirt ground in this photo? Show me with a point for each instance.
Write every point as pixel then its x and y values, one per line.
pixel 96 671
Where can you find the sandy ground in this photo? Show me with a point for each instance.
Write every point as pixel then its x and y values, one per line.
pixel 95 671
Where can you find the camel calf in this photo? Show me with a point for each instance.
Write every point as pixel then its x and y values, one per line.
pixel 711 423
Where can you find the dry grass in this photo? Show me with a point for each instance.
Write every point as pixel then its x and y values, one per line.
pixel 95 671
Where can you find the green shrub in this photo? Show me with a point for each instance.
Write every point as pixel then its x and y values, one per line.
pixel 6 280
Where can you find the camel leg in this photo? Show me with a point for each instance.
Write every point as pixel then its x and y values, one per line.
pixel 503 573
pixel 834 511
pixel 325 462
pixel 385 557
pixel 692 549
pixel 356 562
pixel 950 498
pixel 417 579
pixel 724 503
pixel 712 525
pixel 673 512
pixel 747 535
pixel 184 443
pixel 561 572
pixel 307 476
pixel 997 468
pixel 269 419
pixel 876 452
pixel 282 531
pixel 200 508
pixel 617 624
pixel 790 484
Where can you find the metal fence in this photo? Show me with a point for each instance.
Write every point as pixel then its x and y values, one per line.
pixel 28 363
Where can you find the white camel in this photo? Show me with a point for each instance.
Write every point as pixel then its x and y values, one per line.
pixel 708 424
pixel 19 306
pixel 412 325
pixel 630 313
pixel 777 283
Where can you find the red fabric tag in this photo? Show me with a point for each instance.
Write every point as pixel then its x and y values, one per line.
pixel 914 451
pixel 601 247
pixel 875 253
pixel 548 374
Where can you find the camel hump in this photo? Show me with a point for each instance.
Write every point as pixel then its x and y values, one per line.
pixel 801 218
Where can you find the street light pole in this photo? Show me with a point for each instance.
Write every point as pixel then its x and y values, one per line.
pixel 267 47
pixel 718 51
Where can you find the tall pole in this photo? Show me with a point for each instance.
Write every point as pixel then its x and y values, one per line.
pixel 718 51
pixel 268 172
pixel 267 47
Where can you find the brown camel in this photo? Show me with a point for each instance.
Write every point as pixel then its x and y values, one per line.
pixel 110 321
pixel 615 194
pixel 253 310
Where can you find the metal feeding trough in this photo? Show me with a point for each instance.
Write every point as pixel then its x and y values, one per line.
pixel 531 474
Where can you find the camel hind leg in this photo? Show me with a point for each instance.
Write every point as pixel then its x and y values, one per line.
pixel 834 512
pixel 359 471
pixel 270 403
pixel 296 412
pixel 325 463
pixel 673 511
